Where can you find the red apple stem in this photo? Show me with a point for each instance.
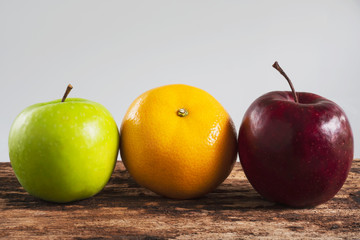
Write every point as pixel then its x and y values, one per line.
pixel 277 67
pixel 68 89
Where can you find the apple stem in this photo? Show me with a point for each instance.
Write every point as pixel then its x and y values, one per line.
pixel 277 67
pixel 68 89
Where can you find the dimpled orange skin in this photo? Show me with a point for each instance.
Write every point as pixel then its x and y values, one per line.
pixel 178 157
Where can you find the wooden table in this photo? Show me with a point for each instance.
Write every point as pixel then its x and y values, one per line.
pixel 124 210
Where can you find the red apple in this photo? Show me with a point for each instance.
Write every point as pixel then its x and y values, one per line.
pixel 295 148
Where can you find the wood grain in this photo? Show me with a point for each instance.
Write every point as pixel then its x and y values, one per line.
pixel 124 210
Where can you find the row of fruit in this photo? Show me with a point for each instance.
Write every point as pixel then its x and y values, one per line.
pixel 179 142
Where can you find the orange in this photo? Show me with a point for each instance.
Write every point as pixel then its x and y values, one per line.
pixel 178 141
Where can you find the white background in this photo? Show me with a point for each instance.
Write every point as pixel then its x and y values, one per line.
pixel 112 51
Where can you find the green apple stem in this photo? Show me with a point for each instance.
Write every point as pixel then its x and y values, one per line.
pixel 68 89
pixel 277 67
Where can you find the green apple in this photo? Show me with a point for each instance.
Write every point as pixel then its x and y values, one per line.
pixel 62 151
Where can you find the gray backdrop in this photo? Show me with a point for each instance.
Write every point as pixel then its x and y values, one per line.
pixel 112 51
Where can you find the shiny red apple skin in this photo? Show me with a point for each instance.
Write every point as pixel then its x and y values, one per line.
pixel 298 154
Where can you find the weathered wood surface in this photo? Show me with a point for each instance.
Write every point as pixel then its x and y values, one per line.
pixel 123 210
